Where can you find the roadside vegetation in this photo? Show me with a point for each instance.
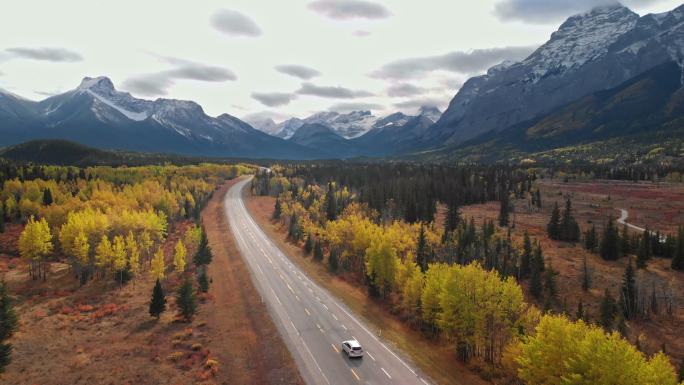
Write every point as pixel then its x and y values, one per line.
pixel 479 286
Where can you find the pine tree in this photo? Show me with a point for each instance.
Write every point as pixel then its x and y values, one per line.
pixel 580 311
pixel 678 258
pixel 504 209
pixel 333 261
pixel 526 257
pixel 607 311
pixel 536 288
pixel 590 239
pixel 610 243
pixel 569 230
pixel 628 293
pixel 185 299
pixel 422 253
pixel 203 256
pixel 158 301
pixel 550 286
pixel 318 251
pixel 330 203
pixel 308 245
pixel 203 281
pixel 586 278
pixel 8 325
pixel 452 218
pixel 47 197
pixel 644 251
pixel 625 247
pixel 278 210
pixel 553 228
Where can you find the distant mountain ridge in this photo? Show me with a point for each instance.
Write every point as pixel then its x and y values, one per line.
pixel 96 114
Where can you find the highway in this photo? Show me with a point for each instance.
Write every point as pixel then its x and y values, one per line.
pixel 311 321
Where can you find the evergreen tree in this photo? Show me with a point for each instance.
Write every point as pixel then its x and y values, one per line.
pixel 586 278
pixel 580 311
pixel 2 219
pixel 553 228
pixel 452 218
pixel 422 253
pixel 318 251
pixel 625 247
pixel 47 197
pixel 590 239
pixel 278 210
pixel 628 294
pixel 678 258
pixel 8 325
pixel 569 228
pixel 644 251
pixel 308 245
pixel 330 203
pixel 607 311
pixel 610 243
pixel 158 301
pixel 185 299
pixel 203 281
pixel 550 286
pixel 504 209
pixel 538 200
pixel 526 257
pixel 203 256
pixel 536 288
pixel 333 261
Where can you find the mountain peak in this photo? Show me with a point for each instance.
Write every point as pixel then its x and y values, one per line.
pixel 99 83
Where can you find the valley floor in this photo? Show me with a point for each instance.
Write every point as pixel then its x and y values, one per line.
pixel 100 334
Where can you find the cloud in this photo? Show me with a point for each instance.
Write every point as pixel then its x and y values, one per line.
pixel 234 23
pixel 420 102
pixel 349 107
pixel 158 83
pixel 273 99
pixel 460 62
pixel 48 93
pixel 405 89
pixel 551 11
pixel 298 71
pixel 45 54
pixel 350 9
pixel 264 115
pixel 331 92
pixel 361 33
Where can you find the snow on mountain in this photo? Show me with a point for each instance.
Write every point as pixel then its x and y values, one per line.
pixel 590 52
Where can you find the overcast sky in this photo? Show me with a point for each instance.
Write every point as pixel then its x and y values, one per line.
pixel 277 58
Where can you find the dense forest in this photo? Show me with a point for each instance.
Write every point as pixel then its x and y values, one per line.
pixel 462 283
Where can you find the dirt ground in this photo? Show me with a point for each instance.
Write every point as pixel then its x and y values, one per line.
pixel 658 206
pixel 100 334
pixel 437 361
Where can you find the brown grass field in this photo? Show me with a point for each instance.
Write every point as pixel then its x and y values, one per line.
pixel 658 206
pixel 438 361
pixel 100 334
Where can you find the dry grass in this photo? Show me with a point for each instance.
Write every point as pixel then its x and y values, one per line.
pixel 437 361
pixel 658 206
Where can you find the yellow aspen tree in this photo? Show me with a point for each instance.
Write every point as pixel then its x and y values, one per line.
pixel 133 252
pixel 179 257
pixel 146 244
pixel 103 254
pixel 119 253
pixel 35 243
pixel 158 265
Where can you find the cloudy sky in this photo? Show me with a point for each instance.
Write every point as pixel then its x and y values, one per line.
pixel 275 58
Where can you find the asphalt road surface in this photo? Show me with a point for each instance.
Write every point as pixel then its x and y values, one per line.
pixel 312 322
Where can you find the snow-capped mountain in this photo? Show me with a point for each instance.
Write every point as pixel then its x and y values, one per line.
pixel 350 125
pixel 592 51
pixel 96 114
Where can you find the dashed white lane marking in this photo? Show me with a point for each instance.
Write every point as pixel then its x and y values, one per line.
pixel 293 326
pixel 326 308
pixel 335 347
pixel 355 375
pixel 371 356
pixel 307 312
pixel 344 327
pixel 261 271
pixel 276 297
pixel 387 374
pixel 297 297
pixel 335 317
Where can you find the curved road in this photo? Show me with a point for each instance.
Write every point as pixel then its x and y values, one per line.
pixel 312 322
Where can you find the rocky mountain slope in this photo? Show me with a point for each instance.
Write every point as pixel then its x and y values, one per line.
pixel 96 114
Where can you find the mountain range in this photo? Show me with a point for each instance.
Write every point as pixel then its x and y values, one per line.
pixel 603 75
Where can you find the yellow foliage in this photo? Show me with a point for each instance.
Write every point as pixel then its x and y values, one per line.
pixel 35 241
